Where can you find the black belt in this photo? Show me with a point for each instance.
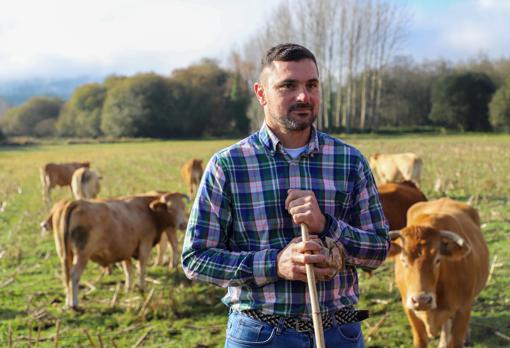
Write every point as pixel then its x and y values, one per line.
pixel 344 315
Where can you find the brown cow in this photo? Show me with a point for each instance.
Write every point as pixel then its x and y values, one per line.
pixel 108 231
pixel 191 173
pixel 396 167
pixel 396 199
pixel 169 237
pixel 85 183
pixel 441 265
pixel 58 174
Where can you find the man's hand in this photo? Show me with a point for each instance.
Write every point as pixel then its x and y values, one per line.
pixel 292 259
pixel 303 207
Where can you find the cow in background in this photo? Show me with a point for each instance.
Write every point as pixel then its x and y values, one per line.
pixel 396 199
pixel 85 183
pixel 191 173
pixel 441 265
pixel 58 174
pixel 115 230
pixel 396 167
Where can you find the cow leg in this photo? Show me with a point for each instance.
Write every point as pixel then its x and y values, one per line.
pixel 76 272
pixel 446 332
pixel 467 341
pixel 143 255
pixel 420 338
pixel 67 264
pixel 45 188
pixel 127 266
pixel 172 239
pixel 161 249
pixel 460 325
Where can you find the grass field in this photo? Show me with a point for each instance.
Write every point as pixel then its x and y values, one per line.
pixel 184 314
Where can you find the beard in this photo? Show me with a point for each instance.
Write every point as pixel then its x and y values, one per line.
pixel 294 121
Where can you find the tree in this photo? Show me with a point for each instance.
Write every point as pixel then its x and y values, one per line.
pixel 137 107
pixel 500 107
pixel 461 101
pixel 81 115
pixel 30 118
pixel 209 101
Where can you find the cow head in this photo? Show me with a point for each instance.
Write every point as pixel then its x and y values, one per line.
pixel 171 209
pixel 419 252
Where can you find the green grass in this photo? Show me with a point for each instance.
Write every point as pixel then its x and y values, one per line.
pixel 186 314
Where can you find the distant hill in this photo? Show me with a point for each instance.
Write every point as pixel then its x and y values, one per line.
pixel 17 92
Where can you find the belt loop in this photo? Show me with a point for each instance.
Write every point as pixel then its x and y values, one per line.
pixel 333 318
pixel 281 325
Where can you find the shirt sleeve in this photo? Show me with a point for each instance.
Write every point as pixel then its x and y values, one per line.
pixel 205 254
pixel 364 235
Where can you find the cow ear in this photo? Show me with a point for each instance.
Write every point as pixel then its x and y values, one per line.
pixel 395 249
pixel 157 206
pixel 453 246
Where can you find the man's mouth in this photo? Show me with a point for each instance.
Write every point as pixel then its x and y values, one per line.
pixel 301 108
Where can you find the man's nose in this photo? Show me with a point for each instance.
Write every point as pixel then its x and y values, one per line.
pixel 303 95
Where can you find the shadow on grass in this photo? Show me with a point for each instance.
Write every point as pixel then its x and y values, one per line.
pixel 8 314
pixel 488 330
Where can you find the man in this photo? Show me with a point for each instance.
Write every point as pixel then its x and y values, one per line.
pixel 244 228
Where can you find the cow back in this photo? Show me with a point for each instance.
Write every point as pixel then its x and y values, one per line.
pixel 396 199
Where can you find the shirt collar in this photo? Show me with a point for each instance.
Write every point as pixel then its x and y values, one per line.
pixel 271 141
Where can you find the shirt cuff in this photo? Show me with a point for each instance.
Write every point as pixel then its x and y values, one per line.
pixel 330 226
pixel 264 267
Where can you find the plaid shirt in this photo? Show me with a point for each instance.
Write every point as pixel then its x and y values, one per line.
pixel 239 223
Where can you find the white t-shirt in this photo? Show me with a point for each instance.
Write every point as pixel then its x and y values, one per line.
pixel 295 153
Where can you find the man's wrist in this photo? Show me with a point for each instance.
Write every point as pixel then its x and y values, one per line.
pixel 327 226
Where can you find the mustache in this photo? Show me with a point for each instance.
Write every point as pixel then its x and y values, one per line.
pixel 301 106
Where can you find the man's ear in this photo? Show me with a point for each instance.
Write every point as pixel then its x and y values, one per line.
pixel 260 93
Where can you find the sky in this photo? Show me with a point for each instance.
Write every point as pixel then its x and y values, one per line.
pixel 68 38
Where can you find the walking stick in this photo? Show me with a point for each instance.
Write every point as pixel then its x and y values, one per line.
pixel 316 311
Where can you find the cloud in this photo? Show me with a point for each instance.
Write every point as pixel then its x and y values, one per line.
pixel 461 29
pixel 57 37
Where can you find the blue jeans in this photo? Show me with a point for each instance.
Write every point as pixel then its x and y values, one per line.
pixel 244 332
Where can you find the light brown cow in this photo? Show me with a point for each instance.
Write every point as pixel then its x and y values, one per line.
pixel 108 231
pixel 441 265
pixel 397 167
pixel 396 199
pixel 85 183
pixel 191 173
pixel 58 174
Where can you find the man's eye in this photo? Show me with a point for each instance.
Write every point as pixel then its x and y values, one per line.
pixel 313 85
pixel 287 85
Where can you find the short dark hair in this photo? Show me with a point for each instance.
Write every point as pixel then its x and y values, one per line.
pixel 287 52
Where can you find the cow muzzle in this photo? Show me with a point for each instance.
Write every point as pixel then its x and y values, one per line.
pixel 421 302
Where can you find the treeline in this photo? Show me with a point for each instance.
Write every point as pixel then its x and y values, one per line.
pixel 201 100
pixel 365 85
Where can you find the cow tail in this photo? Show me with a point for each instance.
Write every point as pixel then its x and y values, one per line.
pixel 64 229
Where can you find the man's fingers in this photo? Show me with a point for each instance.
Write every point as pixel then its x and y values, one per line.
pixel 313 244
pixel 295 197
pixel 309 258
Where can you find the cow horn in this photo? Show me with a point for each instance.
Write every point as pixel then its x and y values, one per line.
pixel 453 236
pixel 394 234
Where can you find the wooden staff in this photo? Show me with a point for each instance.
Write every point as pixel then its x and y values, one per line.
pixel 316 311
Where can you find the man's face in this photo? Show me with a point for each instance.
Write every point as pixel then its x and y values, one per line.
pixel 290 94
